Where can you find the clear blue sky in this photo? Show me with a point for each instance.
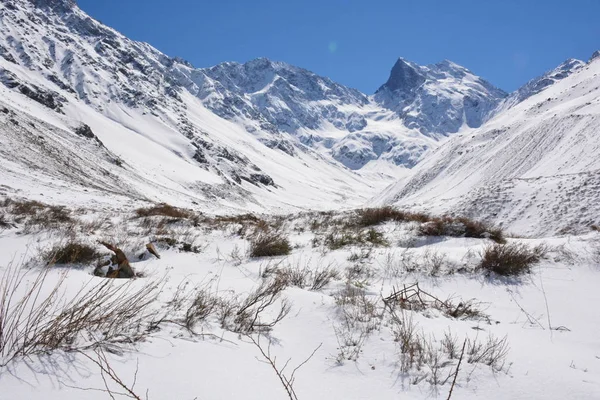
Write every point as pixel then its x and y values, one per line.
pixel 356 42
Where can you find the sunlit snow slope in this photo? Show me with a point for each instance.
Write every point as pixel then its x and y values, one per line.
pixel 258 135
pixel 155 132
pixel 533 168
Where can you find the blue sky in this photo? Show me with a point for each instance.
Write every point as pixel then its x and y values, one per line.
pixel 356 42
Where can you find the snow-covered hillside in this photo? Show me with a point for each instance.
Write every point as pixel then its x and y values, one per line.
pixel 251 136
pixel 85 108
pixel 158 136
pixel 533 168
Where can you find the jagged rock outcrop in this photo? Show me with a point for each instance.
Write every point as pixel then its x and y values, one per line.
pixel 438 99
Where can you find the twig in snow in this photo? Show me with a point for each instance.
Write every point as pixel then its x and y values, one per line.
pixel 462 353
pixel 286 382
pixel 547 308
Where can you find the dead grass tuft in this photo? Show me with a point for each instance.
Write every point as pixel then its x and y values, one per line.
pixel 164 210
pixel 375 216
pixel 510 259
pixel 33 213
pixel 269 244
pixel 72 252
pixel 461 227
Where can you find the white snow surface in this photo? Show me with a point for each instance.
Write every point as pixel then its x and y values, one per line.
pixel 533 168
pixel 558 363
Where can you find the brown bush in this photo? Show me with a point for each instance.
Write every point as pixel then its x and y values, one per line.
pixel 72 253
pixel 510 259
pixel 376 216
pixel 461 227
pixel 270 244
pixel 32 212
pixel 164 210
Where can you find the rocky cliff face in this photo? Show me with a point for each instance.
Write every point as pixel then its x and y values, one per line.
pixel 438 99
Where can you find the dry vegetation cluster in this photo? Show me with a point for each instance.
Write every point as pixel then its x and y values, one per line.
pixel 38 318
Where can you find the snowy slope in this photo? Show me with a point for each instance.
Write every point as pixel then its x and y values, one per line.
pixel 533 168
pixel 160 139
pixel 552 340
pixel 54 53
pixel 540 83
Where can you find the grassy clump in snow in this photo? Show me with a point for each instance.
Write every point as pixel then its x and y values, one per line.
pixel 511 259
pixel 426 359
pixel 461 227
pixel 72 253
pixel 270 244
pixel 429 225
pixel 375 216
pixel 164 210
pixel 303 276
pixel 34 213
pixel 337 240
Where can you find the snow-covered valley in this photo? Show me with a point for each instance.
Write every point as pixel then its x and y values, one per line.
pixel 439 238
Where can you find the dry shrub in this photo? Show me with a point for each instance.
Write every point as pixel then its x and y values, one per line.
pixel 246 314
pixel 340 239
pixel 243 225
pixel 270 244
pixel 511 259
pixel 376 216
pixel 33 213
pixel 26 207
pixel 595 228
pixel 432 361
pixel 182 246
pixel 431 262
pixel 305 277
pixel 461 227
pixel 202 306
pixel 72 252
pixel 359 315
pixel 492 353
pixel 37 318
pixel 164 210
pixel 413 298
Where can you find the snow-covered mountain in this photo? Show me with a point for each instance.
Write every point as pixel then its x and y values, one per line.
pixel 236 131
pixel 533 168
pixel 438 99
pixel 163 129
pixel 85 108
pixel 540 83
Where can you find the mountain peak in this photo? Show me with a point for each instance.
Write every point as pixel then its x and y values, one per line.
pixel 437 99
pixel 405 75
pixel 595 56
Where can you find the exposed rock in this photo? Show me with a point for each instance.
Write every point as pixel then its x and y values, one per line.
pixel 119 259
pixel 85 131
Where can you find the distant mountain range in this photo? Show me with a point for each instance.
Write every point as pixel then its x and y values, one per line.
pixel 258 133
